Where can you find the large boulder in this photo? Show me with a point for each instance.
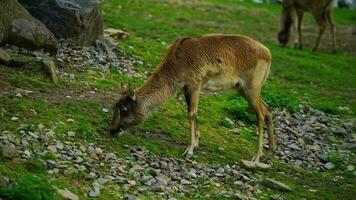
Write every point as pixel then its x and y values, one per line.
pixel 18 27
pixel 79 21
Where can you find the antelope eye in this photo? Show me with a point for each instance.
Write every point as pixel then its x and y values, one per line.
pixel 123 109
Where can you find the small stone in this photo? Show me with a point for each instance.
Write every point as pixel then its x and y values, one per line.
pixel 350 168
pixel 52 148
pixel 9 151
pixel 14 118
pixel 93 193
pixel 185 182
pixel 294 146
pixel 341 132
pixel 271 183
pixel 105 110
pixel 329 166
pixel 192 174
pixel 275 197
pixel 71 134
pixel 240 196
pixel 130 197
pixel 98 151
pixel 229 121
pixel 67 195
pixel 323 158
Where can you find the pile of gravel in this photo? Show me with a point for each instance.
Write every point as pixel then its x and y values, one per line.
pixel 140 171
pixel 306 138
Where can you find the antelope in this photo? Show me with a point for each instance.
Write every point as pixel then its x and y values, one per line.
pixel 292 14
pixel 218 62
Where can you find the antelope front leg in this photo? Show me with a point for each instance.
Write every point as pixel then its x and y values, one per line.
pixel 192 98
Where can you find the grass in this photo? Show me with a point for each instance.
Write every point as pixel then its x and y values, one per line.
pixel 323 80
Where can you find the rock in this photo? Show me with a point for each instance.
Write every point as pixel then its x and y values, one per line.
pixel 4 57
pixel 271 183
pixel 105 110
pixel 9 151
pixel 185 182
pixel 294 146
pixel 350 168
pixel 323 158
pixel 78 21
pixel 95 190
pixel 105 50
pixel 240 196
pixel 129 197
pixel 341 132
pixel 251 165
pixel 349 146
pixel 229 121
pixel 71 134
pixel 276 197
pixel 329 165
pixel 66 194
pixel 23 30
pixel 32 34
pixel 51 68
pixel 14 118
pixel 115 33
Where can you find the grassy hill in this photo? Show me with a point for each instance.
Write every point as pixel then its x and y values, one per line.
pixel 322 80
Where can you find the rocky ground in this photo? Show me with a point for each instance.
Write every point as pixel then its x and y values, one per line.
pixel 302 141
pixel 305 139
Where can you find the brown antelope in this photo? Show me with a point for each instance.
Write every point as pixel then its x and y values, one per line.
pixel 292 14
pixel 193 63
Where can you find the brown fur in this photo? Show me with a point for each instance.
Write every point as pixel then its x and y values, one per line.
pixel 292 13
pixel 227 61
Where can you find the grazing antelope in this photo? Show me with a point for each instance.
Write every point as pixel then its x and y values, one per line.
pixel 292 14
pixel 193 63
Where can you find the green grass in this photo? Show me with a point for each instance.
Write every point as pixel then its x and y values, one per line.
pixel 323 80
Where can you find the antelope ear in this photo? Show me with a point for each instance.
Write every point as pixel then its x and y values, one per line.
pixel 132 94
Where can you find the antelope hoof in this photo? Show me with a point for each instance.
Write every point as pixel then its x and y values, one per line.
pixel 255 165
pixel 188 153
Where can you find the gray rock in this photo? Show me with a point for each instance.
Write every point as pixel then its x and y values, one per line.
pixel 329 165
pixel 185 182
pixel 129 197
pixel 4 57
pixel 350 168
pixel 294 146
pixel 341 132
pixel 271 183
pixel 79 21
pixel 9 151
pixel 32 34
pixel 323 158
pixel 66 194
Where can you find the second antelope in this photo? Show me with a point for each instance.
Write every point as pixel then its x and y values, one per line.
pixel 292 14
pixel 217 62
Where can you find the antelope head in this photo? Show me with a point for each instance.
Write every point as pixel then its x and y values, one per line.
pixel 126 111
